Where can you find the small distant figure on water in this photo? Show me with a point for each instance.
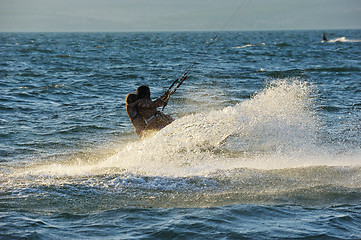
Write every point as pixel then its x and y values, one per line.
pixel 143 113
pixel 324 38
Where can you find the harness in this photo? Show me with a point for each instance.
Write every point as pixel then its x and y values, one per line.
pixel 158 113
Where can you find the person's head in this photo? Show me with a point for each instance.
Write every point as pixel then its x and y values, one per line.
pixel 143 91
pixel 131 97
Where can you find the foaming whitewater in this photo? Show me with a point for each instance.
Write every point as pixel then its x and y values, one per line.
pixel 344 40
pixel 275 129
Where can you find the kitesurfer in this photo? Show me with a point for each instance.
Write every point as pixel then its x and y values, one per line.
pixel 146 109
pixel 324 37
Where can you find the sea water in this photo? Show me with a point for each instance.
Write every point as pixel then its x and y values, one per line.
pixel 266 143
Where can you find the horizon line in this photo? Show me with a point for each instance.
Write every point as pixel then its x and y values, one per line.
pixel 140 31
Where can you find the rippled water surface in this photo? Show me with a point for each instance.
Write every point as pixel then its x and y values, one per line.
pixel 266 142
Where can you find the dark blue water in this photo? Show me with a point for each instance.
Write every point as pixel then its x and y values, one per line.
pixel 266 142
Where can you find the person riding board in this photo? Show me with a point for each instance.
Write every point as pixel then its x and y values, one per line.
pixel 146 109
pixel 324 38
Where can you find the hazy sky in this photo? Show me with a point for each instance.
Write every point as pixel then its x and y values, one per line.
pixel 177 15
